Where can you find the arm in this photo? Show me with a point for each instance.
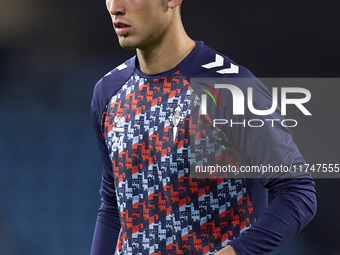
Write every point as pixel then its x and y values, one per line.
pixel 293 206
pixel 294 199
pixel 108 223
pixel 228 250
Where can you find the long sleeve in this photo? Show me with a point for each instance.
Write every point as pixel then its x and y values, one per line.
pixel 293 206
pixel 294 196
pixel 108 223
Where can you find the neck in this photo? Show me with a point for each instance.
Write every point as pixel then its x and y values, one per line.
pixel 166 53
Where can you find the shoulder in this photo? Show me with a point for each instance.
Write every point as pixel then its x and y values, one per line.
pixel 108 85
pixel 205 62
pixel 205 65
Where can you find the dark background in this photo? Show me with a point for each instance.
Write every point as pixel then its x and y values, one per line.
pixel 53 52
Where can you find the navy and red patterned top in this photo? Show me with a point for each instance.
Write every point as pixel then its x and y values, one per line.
pixel 152 204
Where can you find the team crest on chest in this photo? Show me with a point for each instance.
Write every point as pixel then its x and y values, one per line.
pixel 176 119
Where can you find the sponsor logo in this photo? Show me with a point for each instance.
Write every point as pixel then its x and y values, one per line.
pixel 120 121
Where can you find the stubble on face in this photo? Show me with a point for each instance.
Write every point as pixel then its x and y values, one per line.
pixel 147 23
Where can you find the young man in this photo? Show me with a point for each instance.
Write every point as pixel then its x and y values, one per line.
pixel 141 113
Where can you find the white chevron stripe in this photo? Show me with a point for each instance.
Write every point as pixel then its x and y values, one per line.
pixel 219 61
pixel 233 69
pixel 122 66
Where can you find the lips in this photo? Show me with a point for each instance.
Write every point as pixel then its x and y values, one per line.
pixel 121 28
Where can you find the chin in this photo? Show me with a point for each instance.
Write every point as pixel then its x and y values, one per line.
pixel 127 43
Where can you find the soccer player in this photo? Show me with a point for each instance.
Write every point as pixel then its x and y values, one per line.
pixel 142 111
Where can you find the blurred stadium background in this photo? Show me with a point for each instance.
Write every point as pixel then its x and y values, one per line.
pixel 53 52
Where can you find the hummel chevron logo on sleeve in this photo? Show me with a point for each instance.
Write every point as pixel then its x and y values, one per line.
pixel 233 69
pixel 219 61
pixel 122 66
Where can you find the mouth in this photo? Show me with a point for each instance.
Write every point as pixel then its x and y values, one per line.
pixel 121 28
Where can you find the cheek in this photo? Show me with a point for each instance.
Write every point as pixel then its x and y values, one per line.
pixel 108 4
pixel 149 18
pixel 152 12
pixel 156 19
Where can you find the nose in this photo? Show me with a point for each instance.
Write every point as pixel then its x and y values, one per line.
pixel 115 7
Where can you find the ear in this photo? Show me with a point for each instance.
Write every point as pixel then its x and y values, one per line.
pixel 174 3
